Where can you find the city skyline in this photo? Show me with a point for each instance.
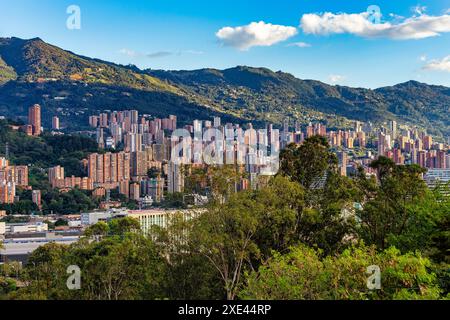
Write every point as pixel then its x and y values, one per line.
pixel 247 151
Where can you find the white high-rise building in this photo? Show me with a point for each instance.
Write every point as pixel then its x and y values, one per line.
pixel 217 122
pixel 175 178
pixel 393 129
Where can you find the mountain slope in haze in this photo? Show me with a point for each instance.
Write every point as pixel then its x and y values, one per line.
pixel 33 71
pixel 35 60
pixel 7 73
pixel 259 92
pixel 421 102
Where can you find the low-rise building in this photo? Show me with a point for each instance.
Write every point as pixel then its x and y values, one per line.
pixel 160 218
pixel 2 228
pixel 437 177
pixel 25 227
pixel 19 249
pixel 433 176
pixel 90 218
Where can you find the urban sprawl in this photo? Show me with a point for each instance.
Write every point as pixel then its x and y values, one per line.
pixel 134 145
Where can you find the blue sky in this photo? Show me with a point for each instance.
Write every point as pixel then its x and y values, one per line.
pixel 411 41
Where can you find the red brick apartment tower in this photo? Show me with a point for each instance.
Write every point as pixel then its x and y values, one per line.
pixel 34 119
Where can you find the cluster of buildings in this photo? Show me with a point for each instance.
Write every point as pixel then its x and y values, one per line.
pixel 160 144
pixel 58 180
pixel 413 147
pixel 21 239
pixel 125 171
pixel 10 178
pixel 155 152
pixel 34 125
pixel 365 142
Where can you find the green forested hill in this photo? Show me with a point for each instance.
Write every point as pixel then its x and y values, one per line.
pixel 262 93
pixel 32 71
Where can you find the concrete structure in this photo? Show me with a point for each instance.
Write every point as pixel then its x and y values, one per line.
pixel 19 249
pixel 26 227
pixel 435 176
pixel 108 170
pixel 90 218
pixel 55 173
pixel 160 218
pixel 175 178
pixel 34 119
pixel 7 192
pixel 36 198
pixel 58 181
pixel 2 228
pixel 55 123
pixel 16 174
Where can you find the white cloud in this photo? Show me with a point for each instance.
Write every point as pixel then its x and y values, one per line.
pixel 255 34
pixel 438 64
pixel 336 78
pixel 416 27
pixel 158 54
pixel 128 52
pixel 299 44
pixel 423 58
pixel 396 18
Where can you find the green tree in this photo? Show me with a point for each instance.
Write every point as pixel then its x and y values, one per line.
pixel 391 204
pixel 188 274
pixel 98 230
pixel 327 195
pixel 282 222
pixel 309 162
pixel 124 225
pixel 224 234
pixel 304 274
pixel 45 273
pixel 118 268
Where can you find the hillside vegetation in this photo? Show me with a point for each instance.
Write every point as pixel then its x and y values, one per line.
pixel 32 71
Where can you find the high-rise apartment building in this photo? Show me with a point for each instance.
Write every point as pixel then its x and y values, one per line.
pixel 343 161
pixel 55 123
pixel 36 198
pixel 427 142
pixel 7 192
pixel 93 121
pixel 109 169
pixel 175 178
pixel 135 191
pixel 34 119
pixel 217 122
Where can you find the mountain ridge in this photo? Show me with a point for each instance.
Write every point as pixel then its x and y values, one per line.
pixel 38 69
